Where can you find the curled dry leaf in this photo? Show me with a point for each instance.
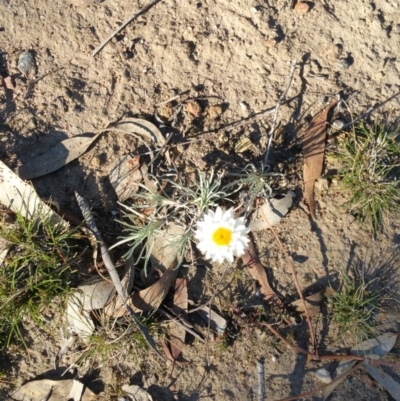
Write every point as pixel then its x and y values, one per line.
pixel 257 271
pixel 313 152
pixel 313 303
pixel 124 175
pixel 271 212
pixel 21 198
pixel 56 157
pixel 142 127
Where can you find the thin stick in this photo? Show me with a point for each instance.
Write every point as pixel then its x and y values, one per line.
pixel 128 21
pixel 278 105
pixel 296 282
pixel 261 381
pixel 318 389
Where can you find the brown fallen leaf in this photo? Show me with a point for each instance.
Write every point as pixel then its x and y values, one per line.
pixel 178 334
pixel 313 151
pixel 313 303
pixel 257 271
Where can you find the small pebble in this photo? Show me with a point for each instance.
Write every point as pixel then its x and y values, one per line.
pixel 214 111
pixel 323 375
pixel 26 62
pixel 302 8
pixel 274 358
pixel 321 184
pixel 166 111
pixel 343 64
pixel 244 106
pixel 337 125
pixel 193 108
pixel 271 42
pixel 95 162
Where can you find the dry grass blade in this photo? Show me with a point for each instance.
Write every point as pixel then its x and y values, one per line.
pixel 257 271
pixel 313 151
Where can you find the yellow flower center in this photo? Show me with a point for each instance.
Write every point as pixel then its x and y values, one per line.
pixel 222 236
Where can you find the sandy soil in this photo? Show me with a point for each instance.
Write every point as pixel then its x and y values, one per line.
pixel 236 54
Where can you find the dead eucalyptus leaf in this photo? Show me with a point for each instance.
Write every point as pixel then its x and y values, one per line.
pixel 374 348
pixel 21 198
pixel 58 156
pixel 313 304
pixel 142 127
pixel 257 271
pixel 53 390
pixel 313 152
pixel 271 212
pixel 124 175
pixel 178 334
pixel 384 380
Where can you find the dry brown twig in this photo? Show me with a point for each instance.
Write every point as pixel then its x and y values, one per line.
pixel 127 22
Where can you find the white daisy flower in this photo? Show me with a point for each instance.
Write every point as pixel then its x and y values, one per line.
pixel 221 236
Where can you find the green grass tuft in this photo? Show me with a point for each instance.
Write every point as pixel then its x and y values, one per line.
pixel 354 307
pixel 36 269
pixel 370 160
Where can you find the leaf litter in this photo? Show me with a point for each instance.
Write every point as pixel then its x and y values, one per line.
pixel 313 152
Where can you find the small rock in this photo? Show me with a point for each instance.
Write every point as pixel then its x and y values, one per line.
pixel 244 106
pixel 321 184
pixel 214 111
pixel 25 62
pixel 271 42
pixel 302 8
pixel 166 111
pixel 338 124
pixel 274 358
pixel 254 10
pixel 95 162
pixel 343 64
pixel 193 107
pixel 323 375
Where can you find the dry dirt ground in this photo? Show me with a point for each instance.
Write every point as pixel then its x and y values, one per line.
pixel 236 54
